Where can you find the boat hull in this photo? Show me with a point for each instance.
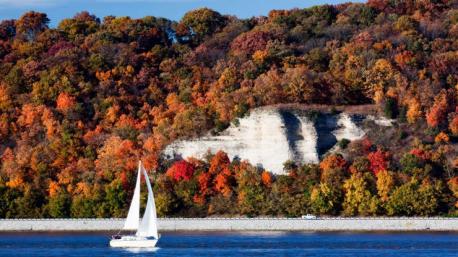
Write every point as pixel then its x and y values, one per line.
pixel 133 242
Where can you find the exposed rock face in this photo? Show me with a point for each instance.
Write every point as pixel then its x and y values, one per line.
pixel 271 136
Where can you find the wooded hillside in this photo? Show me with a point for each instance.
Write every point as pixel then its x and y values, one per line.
pixel 81 103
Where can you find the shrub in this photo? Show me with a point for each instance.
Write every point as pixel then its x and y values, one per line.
pixel 343 143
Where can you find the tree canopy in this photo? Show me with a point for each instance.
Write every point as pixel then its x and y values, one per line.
pixel 81 103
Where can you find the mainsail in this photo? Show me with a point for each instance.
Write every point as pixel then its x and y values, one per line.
pixel 148 226
pixel 133 217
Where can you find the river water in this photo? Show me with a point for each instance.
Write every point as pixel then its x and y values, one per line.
pixel 236 244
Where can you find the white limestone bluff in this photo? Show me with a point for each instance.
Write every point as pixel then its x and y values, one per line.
pixel 269 136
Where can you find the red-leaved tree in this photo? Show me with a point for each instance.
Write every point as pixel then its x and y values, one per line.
pixel 181 170
pixel 378 161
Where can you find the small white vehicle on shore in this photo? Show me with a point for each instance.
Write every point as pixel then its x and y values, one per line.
pixel 309 217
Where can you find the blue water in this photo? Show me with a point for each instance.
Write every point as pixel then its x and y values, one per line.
pixel 237 244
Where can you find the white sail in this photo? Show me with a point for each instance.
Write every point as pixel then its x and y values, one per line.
pixel 148 226
pixel 133 217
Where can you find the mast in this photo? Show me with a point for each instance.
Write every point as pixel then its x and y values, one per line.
pixel 148 226
pixel 133 217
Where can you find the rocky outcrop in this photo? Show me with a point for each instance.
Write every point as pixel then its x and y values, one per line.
pixel 270 136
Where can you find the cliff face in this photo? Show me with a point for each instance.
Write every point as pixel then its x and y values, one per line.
pixel 270 136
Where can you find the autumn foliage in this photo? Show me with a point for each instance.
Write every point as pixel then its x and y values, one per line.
pixel 82 102
pixel 442 138
pixel 332 162
pixel 266 178
pixel 65 102
pixel 453 185
pixel 438 111
pixel 454 125
pixel 379 161
pixel 181 170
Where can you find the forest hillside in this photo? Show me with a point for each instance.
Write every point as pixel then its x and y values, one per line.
pixel 81 103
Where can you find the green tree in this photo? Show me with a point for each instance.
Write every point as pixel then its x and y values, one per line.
pixel 326 199
pixel 203 22
pixel 414 198
pixel 82 207
pixel 7 202
pixel 115 197
pixel 81 24
pixel 251 194
pixel 390 108
pixel 59 205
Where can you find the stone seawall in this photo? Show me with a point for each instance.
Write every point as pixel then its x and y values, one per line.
pixel 240 224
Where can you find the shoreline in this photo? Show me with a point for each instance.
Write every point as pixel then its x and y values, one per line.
pixel 334 224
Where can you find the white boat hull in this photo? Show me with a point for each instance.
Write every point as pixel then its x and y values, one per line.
pixel 133 242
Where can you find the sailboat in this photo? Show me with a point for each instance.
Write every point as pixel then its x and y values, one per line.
pixel 146 231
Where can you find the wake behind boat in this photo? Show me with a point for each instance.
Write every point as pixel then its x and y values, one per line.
pixel 146 235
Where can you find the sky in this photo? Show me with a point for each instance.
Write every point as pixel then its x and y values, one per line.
pixel 171 9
